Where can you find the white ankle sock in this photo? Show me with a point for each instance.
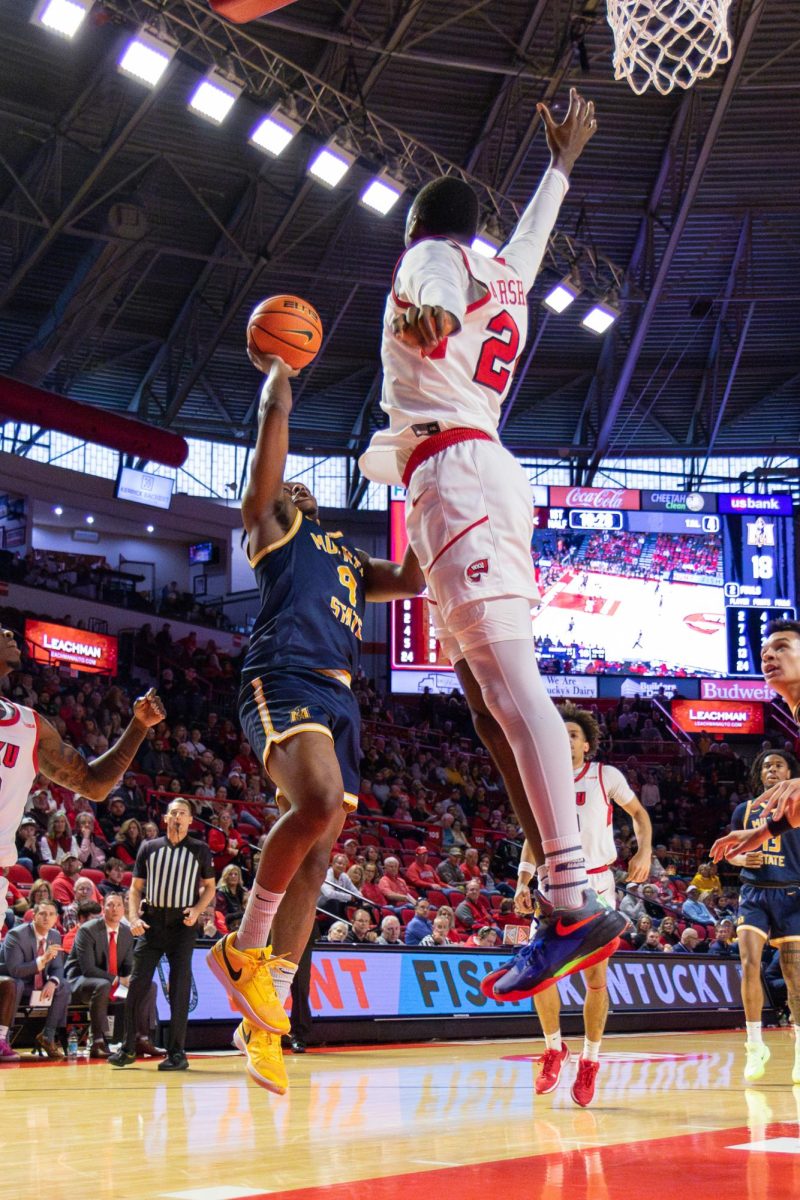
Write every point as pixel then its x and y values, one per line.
pixel 754 1031
pixel 796 1029
pixel 552 1041
pixel 3 1033
pixel 591 1051
pixel 282 978
pixel 253 933
pixel 566 872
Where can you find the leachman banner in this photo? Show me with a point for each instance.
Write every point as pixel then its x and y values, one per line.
pixel 382 982
pixel 79 648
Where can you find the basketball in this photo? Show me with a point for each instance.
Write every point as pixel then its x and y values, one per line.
pixel 287 327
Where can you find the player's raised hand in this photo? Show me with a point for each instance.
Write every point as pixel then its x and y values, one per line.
pixel 269 364
pixel 425 327
pixel 149 709
pixel 568 139
pixel 738 841
pixel 783 800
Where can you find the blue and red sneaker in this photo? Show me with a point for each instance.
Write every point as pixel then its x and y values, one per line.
pixel 569 941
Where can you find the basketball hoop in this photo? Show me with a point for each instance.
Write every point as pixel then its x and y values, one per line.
pixel 668 43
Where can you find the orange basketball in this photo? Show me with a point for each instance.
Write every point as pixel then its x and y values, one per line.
pixel 287 327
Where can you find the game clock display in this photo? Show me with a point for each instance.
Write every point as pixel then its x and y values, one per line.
pixel 652 583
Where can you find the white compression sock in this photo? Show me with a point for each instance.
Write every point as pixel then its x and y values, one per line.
pixel 3 1033
pixel 253 933
pixel 552 1041
pixel 753 1031
pixel 508 675
pixel 282 979
pixel 591 1051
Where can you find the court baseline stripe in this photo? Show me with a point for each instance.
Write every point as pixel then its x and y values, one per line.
pixel 592 1171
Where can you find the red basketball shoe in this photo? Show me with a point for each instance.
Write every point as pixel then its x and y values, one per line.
pixel 552 1064
pixel 582 1090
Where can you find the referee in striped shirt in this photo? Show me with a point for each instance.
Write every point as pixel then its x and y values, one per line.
pixel 174 877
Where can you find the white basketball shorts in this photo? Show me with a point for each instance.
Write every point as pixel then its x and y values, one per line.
pixel 603 883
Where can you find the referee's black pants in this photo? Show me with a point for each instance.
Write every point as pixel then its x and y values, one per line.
pixel 166 935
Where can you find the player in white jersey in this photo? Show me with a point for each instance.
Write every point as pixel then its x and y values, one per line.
pixel 29 744
pixel 454 326
pixel 598 787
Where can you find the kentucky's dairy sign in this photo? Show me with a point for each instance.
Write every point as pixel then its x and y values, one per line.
pixel 79 648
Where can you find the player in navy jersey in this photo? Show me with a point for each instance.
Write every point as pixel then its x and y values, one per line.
pixel 769 909
pixel 299 715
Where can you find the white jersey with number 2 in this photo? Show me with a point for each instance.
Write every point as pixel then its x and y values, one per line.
pixel 597 788
pixel 464 381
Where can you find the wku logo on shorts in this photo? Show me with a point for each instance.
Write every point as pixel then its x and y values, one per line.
pixel 476 570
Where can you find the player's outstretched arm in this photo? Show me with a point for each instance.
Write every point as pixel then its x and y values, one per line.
pixel 566 141
pixel 264 499
pixel 783 800
pixel 639 865
pixel 384 580
pixel 739 842
pixel 65 765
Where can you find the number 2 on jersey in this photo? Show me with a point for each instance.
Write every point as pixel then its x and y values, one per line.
pixel 498 353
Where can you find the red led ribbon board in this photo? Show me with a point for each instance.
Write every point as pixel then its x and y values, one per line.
pixel 53 644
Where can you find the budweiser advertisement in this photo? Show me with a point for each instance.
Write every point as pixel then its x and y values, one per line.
pixel 78 648
pixel 718 716
pixel 736 689
pixel 592 497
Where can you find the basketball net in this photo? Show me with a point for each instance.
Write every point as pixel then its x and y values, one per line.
pixel 668 43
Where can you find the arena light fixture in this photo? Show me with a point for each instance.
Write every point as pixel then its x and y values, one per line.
pixel 275 132
pixel 331 164
pixel 559 298
pixel 214 96
pixel 61 16
pixel 90 519
pixel 601 316
pixel 58 510
pixel 382 194
pixel 486 243
pixel 146 58
pixel 151 528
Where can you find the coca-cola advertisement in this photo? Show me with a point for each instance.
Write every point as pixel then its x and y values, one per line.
pixel 594 497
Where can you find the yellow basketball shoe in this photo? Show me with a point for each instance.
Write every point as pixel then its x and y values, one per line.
pixel 264 1056
pixel 246 977
pixel 756 1059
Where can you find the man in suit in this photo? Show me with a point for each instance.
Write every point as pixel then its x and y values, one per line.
pixel 100 960
pixel 32 955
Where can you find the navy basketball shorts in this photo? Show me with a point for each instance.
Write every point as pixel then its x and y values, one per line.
pixel 282 703
pixel 773 912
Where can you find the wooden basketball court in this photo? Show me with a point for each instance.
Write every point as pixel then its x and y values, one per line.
pixel 671 1116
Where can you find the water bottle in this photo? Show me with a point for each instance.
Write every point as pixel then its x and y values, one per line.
pixel 72 1044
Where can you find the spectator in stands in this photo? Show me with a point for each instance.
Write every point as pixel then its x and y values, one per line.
pixel 128 841
pixel 338 890
pixel 483 938
pixel 440 935
pixel 355 873
pixel 473 909
pixel 643 927
pixel 27 842
pixel 83 889
pixel 632 905
pixel 649 734
pixel 84 911
pixel 337 932
pixel 362 928
pixel 652 904
pixel 706 880
pixel 449 870
pixel 668 931
pixel 369 888
pixel 91 851
pixel 693 908
pixel 420 874
pixel 390 932
pixel 41 889
pixel 211 923
pixel 350 850
pixel 113 871
pixel 149 831
pixel 649 794
pixel 396 891
pixel 131 794
pixel 689 942
pixel 58 841
pixel 231 895
pixel 723 942
pixel 64 883
pixel 32 955
pixel 225 841
pixel 652 944
pixel 42 807
pixel 419 926
pixel 116 814
pixel 469 867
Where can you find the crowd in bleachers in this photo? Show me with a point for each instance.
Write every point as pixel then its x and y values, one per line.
pixel 682 553
pixel 605 551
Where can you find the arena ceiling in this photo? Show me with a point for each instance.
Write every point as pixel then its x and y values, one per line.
pixel 135 237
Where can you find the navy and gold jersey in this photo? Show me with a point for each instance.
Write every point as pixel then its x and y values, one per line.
pixel 311 584
pixel 781 854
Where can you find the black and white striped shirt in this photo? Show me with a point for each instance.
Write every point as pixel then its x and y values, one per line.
pixel 172 871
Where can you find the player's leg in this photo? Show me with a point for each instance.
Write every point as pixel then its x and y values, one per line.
pixel 752 939
pixel 496 742
pixel 556 1053
pixel 595 1015
pixel 789 951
